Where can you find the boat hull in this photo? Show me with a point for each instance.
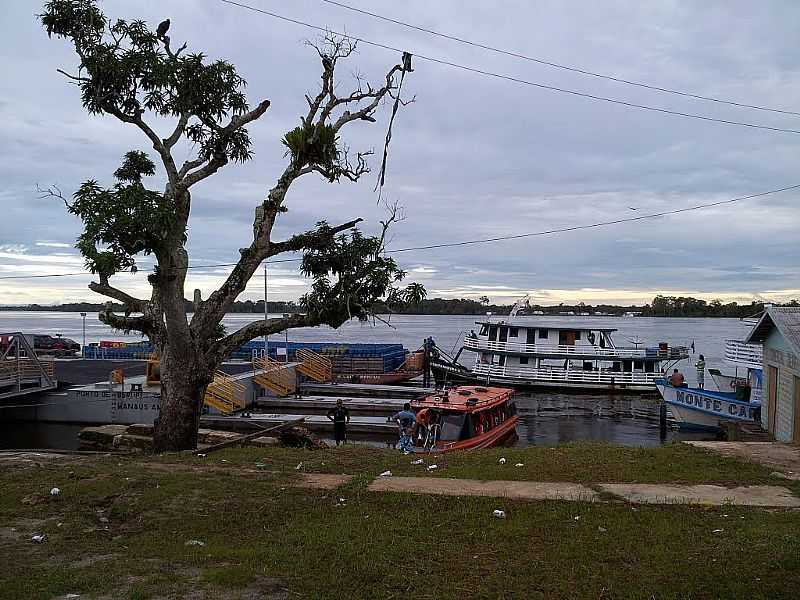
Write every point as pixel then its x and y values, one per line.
pixel 695 408
pixel 502 435
pixel 376 378
pixel 498 436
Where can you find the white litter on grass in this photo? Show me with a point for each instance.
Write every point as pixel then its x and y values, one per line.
pixel 578 518
pixel 499 514
pixel 342 500
pixel 602 529
pixel 298 467
pixel 201 455
pixel 195 543
pixel 39 538
pixel 432 467
pixel 385 474
pixel 502 461
pixel 224 460
pixel 419 461
pixel 55 491
pixel 519 465
pixel 72 596
pixel 717 531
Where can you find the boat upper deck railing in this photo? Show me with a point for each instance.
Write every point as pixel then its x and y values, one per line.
pixel 747 355
pixel 672 352
pixel 565 375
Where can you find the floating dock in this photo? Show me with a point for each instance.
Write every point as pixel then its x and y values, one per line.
pixel 365 390
pixel 316 423
pixel 322 404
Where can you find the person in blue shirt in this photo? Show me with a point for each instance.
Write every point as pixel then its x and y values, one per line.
pixel 406 419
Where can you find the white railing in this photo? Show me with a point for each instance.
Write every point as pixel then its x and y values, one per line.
pixel 747 355
pixel 472 343
pixel 565 375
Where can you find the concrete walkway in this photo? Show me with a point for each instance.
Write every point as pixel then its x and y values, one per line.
pixel 784 458
pixel 758 495
pixel 526 490
pixel 716 495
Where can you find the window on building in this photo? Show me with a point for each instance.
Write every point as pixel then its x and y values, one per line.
pixel 513 332
pixel 543 334
pixel 523 360
pixel 502 360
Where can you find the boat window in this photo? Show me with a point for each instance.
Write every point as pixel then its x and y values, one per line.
pixel 503 333
pixel 513 332
pixel 637 364
pixel 531 336
pixel 523 360
pixel 577 335
pixel 502 360
pixel 451 427
pixel 543 334
pixel 484 329
pixel 493 333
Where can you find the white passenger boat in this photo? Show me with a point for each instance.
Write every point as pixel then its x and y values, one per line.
pixel 530 352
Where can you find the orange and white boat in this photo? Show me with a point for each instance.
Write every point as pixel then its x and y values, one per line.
pixel 465 418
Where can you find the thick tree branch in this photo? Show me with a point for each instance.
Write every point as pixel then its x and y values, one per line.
pixel 219 159
pixel 142 324
pixel 158 143
pixel 310 239
pixel 131 303
pixel 222 348
pixel 178 132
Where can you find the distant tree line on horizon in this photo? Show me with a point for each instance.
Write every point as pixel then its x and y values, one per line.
pixel 661 306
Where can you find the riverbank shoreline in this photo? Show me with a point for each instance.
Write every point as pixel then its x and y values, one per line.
pixel 239 523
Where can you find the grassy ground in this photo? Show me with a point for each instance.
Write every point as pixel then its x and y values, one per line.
pixel 581 462
pixel 119 530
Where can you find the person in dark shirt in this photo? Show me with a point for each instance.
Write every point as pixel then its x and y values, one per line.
pixel 406 419
pixel 340 417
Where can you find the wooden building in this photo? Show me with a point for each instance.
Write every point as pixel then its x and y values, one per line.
pixel 779 332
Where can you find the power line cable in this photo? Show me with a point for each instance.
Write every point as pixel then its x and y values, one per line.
pixel 558 65
pixel 543 86
pixel 501 238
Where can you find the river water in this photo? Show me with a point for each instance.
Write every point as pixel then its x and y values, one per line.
pixel 546 417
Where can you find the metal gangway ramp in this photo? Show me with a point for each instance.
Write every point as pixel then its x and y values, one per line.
pixel 21 371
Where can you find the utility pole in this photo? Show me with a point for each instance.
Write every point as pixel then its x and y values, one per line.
pixel 83 348
pixel 266 316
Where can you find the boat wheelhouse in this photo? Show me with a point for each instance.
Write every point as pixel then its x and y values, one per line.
pixel 567 354
pixel 465 418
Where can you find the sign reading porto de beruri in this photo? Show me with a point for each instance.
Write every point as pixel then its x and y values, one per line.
pixel 729 409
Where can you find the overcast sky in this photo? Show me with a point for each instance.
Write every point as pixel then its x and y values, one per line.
pixel 473 157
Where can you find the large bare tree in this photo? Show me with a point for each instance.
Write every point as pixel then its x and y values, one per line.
pixel 132 73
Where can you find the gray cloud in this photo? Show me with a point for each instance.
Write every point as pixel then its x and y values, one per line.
pixel 473 157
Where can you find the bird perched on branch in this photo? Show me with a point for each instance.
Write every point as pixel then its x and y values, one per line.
pixel 163 27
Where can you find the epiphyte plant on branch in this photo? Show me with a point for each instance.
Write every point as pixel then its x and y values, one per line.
pixel 129 72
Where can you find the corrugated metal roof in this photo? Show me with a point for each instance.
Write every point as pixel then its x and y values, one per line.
pixel 786 319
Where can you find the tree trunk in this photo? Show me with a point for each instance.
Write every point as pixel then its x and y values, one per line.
pixel 183 385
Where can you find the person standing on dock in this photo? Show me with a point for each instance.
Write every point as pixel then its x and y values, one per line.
pixel 406 419
pixel 700 365
pixel 340 417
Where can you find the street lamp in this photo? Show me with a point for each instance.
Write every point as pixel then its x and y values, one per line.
pixel 286 337
pixel 83 348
